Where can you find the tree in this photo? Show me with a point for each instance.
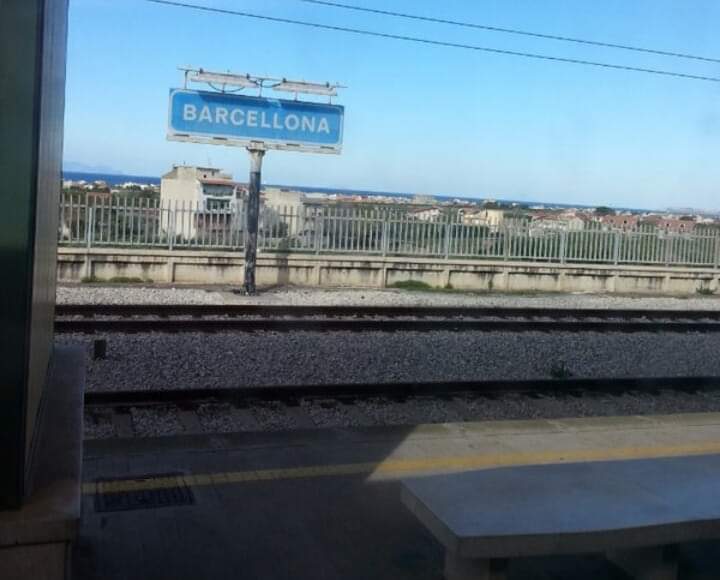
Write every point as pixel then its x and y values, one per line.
pixel 604 210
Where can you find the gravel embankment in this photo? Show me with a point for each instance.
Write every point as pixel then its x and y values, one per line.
pixel 91 294
pixel 147 361
pixel 192 360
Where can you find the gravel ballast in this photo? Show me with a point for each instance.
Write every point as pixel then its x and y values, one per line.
pixel 381 412
pixel 118 294
pixel 195 360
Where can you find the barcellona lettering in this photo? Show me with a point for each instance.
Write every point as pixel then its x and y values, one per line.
pixel 253 118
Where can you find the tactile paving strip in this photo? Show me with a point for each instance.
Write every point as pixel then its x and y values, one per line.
pixel 145 492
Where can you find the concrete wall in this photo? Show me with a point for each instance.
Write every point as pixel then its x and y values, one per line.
pixel 201 267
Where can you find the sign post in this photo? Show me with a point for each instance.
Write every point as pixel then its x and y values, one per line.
pixel 258 124
pixel 253 211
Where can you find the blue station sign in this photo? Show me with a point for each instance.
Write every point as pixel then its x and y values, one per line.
pixel 229 119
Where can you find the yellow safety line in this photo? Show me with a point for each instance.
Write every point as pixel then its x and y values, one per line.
pixel 400 467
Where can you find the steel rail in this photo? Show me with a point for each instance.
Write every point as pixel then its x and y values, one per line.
pixel 210 325
pixel 274 311
pixel 355 391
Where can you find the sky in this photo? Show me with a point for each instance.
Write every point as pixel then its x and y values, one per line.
pixel 422 119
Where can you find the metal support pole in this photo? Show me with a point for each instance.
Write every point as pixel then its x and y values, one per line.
pixel 252 215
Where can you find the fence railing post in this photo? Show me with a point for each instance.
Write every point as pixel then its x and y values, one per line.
pixel 89 224
pixel 716 252
pixel 616 247
pixel 319 231
pixel 172 215
pixel 448 230
pixel 563 245
pixel 385 234
pixel 506 242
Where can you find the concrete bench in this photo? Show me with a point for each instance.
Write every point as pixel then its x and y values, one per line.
pixel 635 511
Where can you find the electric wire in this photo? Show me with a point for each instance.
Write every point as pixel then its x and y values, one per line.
pixel 428 41
pixel 511 30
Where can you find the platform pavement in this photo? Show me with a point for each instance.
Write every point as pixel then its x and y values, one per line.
pixel 325 504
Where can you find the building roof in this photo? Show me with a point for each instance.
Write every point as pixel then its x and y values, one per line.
pixel 215 181
pixel 192 168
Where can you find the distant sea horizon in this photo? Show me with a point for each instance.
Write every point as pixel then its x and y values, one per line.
pixel 120 178
pixel 110 178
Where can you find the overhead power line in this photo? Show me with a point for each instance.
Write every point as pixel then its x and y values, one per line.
pixel 511 31
pixel 430 42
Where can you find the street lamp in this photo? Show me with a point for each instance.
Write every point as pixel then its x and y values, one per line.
pixel 247 81
pixel 305 87
pixel 223 79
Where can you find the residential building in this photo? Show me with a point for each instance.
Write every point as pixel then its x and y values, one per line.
pixel 490 217
pixel 282 197
pixel 670 224
pixel 421 199
pixel 425 214
pixel 572 223
pixel 283 206
pixel 623 221
pixel 205 196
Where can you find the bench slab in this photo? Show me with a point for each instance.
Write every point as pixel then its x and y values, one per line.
pixel 574 508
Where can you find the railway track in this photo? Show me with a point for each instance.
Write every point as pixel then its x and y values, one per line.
pixel 192 410
pixel 89 319
pixel 357 391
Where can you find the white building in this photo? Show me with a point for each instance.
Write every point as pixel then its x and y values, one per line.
pixel 425 214
pixel 556 222
pixel 492 218
pixel 201 199
pixel 284 206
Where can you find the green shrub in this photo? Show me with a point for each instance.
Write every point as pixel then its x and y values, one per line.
pixel 90 279
pixel 412 285
pixel 116 280
pixel 560 371
pixel 128 280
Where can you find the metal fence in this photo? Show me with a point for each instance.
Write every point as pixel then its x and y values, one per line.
pixel 117 221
